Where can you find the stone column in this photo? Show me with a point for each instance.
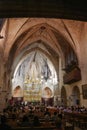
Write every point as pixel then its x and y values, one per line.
pixel 61 73
pixel 3 103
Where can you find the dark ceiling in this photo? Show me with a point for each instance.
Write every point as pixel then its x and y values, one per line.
pixel 66 9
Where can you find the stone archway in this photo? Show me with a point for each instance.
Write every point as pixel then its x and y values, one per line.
pixel 75 96
pixel 18 92
pixel 63 96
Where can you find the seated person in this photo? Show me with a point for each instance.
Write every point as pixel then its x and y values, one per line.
pixel 25 121
pixel 47 112
pixel 58 123
pixel 36 121
pixel 47 121
pixel 54 116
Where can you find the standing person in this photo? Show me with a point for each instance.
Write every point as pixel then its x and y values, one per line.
pixel 58 123
pixel 36 121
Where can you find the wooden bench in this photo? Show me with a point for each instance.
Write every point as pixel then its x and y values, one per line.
pixel 68 126
pixel 33 128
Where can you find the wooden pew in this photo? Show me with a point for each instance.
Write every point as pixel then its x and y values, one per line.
pixel 33 128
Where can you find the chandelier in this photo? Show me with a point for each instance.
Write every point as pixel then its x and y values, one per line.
pixel 33 80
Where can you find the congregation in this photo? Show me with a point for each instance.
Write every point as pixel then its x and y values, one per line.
pixel 29 115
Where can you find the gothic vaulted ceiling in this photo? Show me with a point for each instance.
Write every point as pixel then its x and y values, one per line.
pixel 53 37
pixel 52 27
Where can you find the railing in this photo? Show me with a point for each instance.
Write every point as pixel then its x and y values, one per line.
pixel 72 76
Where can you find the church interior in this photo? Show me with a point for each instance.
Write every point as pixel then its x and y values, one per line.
pixel 43 59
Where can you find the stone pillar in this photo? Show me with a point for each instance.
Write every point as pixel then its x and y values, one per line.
pixel 83 62
pixel 3 103
pixel 61 73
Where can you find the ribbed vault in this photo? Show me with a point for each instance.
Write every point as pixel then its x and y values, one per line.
pixel 28 31
pixel 55 38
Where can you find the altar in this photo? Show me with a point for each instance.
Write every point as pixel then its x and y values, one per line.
pixel 32 93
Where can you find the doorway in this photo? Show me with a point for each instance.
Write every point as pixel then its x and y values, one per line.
pixel 63 97
pixel 76 96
